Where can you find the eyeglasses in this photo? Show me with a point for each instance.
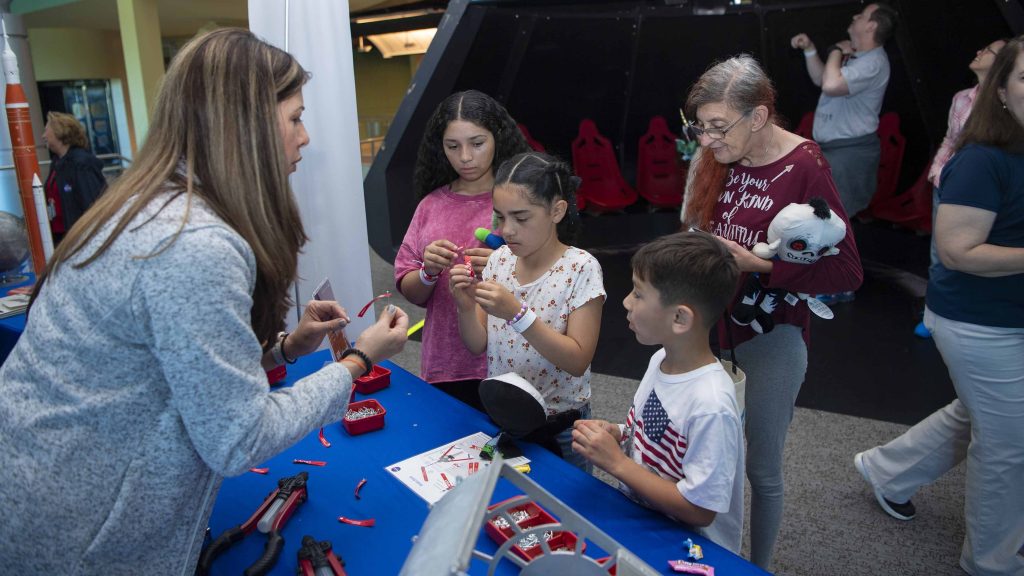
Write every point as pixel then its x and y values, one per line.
pixel 990 50
pixel 716 133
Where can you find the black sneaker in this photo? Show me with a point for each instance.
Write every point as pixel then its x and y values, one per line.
pixel 904 511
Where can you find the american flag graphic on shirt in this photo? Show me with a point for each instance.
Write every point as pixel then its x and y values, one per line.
pixel 660 446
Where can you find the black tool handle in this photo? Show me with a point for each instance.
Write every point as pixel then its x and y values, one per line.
pixel 222 543
pixel 275 542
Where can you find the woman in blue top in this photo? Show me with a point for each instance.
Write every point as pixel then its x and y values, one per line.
pixel 976 314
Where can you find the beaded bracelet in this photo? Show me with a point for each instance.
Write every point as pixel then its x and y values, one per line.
pixel 524 323
pixel 522 310
pixel 362 356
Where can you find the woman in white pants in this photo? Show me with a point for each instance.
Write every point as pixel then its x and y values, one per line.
pixel 936 445
pixel 976 314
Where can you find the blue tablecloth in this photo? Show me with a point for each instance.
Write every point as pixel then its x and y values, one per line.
pixel 420 418
pixel 12 326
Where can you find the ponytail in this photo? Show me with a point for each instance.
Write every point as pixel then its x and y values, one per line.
pixel 549 180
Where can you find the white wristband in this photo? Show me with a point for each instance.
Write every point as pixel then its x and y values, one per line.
pixel 811 52
pixel 525 322
pixel 425 280
pixel 275 350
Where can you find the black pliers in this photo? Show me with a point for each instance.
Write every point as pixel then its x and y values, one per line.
pixel 317 559
pixel 269 518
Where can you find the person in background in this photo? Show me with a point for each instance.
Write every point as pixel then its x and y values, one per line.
pixel 958 113
pixel 748 169
pixel 680 451
pixel 469 135
pixel 853 78
pixel 76 174
pixel 975 312
pixel 139 381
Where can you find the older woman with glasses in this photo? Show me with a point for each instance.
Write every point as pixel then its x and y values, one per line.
pixel 749 169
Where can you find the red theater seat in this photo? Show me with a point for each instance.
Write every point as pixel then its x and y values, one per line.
pixel 912 208
pixel 603 189
pixel 806 127
pixel 893 144
pixel 658 176
pixel 529 139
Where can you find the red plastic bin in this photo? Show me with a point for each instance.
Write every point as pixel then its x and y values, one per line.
pixel 560 540
pixel 379 378
pixel 364 425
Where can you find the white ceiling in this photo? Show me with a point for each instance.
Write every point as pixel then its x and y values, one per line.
pixel 177 17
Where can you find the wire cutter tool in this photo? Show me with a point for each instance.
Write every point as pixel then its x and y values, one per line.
pixel 268 518
pixel 317 559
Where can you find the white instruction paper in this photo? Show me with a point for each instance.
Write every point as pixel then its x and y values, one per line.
pixel 434 472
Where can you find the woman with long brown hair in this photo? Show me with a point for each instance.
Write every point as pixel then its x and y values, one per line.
pixel 749 168
pixel 138 382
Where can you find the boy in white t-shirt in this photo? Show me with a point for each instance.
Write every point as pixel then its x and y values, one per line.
pixel 681 449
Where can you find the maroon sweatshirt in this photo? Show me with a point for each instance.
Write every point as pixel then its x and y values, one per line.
pixel 751 199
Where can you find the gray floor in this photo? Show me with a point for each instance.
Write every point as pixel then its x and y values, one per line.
pixel 832 525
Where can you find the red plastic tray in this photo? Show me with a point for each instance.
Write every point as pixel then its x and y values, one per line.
pixel 378 379
pixel 364 425
pixel 560 540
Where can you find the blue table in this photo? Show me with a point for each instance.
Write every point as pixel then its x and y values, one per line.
pixel 12 326
pixel 420 418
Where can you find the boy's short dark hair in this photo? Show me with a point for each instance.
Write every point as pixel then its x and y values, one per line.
pixel 690 268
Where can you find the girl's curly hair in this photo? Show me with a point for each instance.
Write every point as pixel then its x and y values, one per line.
pixel 432 167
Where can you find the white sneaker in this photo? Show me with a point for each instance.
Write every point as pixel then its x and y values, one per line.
pixel 905 511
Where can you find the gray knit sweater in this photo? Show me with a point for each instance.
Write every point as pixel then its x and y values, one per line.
pixel 135 388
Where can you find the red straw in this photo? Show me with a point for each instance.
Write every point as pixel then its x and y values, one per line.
pixel 365 523
pixel 370 303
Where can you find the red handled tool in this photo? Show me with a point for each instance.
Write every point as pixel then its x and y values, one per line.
pixel 317 559
pixel 268 518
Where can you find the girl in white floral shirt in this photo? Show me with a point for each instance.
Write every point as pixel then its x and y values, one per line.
pixel 537 309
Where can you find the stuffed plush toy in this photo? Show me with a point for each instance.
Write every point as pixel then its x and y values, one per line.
pixel 801 234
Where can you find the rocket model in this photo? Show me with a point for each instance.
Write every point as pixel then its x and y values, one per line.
pixel 26 164
pixel 43 215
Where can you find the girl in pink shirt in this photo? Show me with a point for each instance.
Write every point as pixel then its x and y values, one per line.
pixel 468 134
